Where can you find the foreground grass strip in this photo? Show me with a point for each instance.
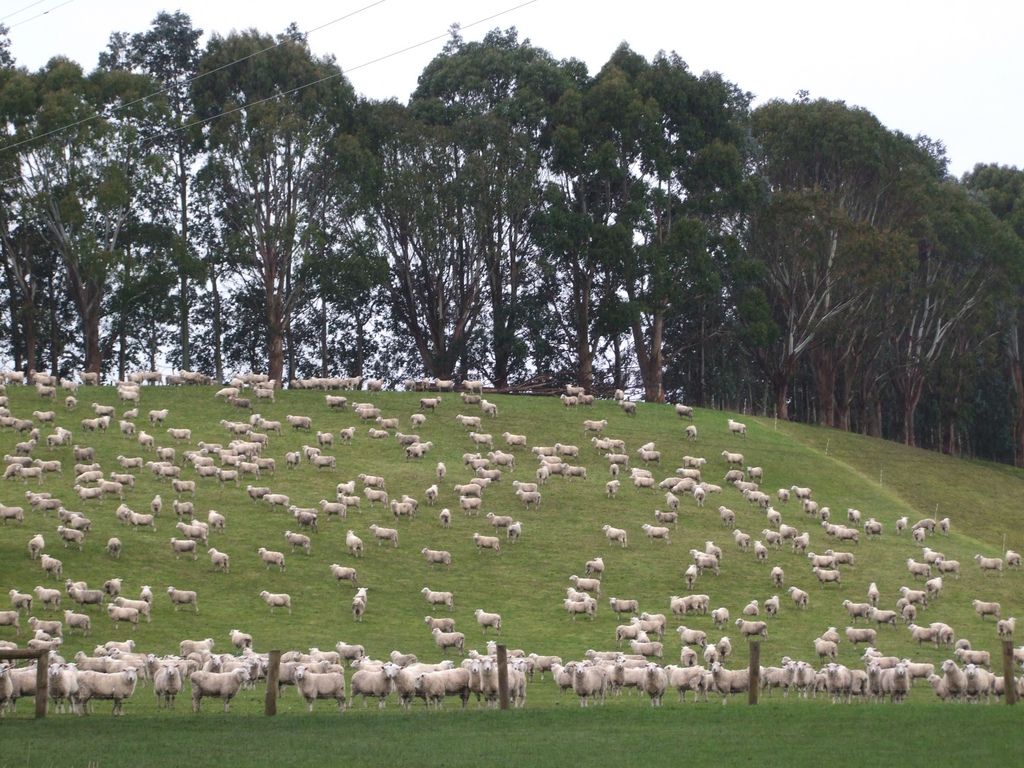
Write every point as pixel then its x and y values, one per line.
pixel 791 734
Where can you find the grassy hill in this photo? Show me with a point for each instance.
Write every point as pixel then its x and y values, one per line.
pixel 526 582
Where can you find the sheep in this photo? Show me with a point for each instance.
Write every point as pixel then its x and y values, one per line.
pixel 918 569
pixel 446 640
pixel 933 586
pixel 276 600
pixel 826 575
pixel 167 683
pixel 222 685
pixel 382 534
pixel 749 628
pixel 729 681
pixel 861 635
pixel 948 566
pixel 487 542
pixel 51 565
pixel 115 686
pixel 733 458
pixel 437 556
pixel 36 545
pixel 615 535
pixel 881 617
pixel 778 576
pixel 653 532
pixel 720 617
pixel 514 531
pixel 1005 627
pixel 799 597
pixel 353 543
pixel 320 685
pixel 742 539
pixel 727 516
pixel 983 608
pixel 180 597
pixel 439 598
pixel 470 504
pixel 485 620
pixel 123 613
pixel 977 658
pixel 987 564
pixel 587 605
pixel 857 610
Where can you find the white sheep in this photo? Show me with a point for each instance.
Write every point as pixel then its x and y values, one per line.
pixel 115 686
pixel 222 685
pixel 615 535
pixel 276 600
pixel 485 620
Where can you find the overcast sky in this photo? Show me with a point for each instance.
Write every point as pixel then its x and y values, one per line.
pixel 953 71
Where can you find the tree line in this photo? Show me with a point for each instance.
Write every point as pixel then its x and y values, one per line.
pixel 239 206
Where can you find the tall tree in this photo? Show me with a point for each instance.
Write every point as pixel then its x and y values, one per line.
pixel 80 180
pixel 1001 189
pixel 495 98
pixel 419 208
pixel 271 119
pixel 169 53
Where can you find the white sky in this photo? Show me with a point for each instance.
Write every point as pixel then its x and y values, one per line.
pixel 950 70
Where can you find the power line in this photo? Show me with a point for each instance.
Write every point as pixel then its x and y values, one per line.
pixel 188 81
pixel 39 15
pixel 30 5
pixel 336 75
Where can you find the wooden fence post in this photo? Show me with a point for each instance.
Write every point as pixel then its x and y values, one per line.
pixel 273 674
pixel 1009 683
pixel 42 682
pixel 754 672
pixel 502 677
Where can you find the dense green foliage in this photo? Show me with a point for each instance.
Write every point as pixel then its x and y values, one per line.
pixel 236 205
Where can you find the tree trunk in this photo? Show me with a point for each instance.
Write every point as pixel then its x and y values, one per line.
pixel 324 355
pixel 28 324
pixel 360 342
pixel 91 332
pixel 780 386
pixel 1017 376
pixel 183 297
pixel 650 360
pixel 218 359
pixel 275 337
pixel 823 364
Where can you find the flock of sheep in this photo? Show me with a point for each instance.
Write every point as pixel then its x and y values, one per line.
pixel 114 669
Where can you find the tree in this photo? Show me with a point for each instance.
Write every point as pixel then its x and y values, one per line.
pixel 79 181
pixel 1001 190
pixel 270 122
pixel 495 99
pixel 419 208
pixel 169 53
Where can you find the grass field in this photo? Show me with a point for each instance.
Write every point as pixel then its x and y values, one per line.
pixel 526 582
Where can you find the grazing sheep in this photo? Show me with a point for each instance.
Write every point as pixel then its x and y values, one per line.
pixel 485 620
pixel 799 597
pixel 615 534
pixel 180 597
pixel 115 686
pixel 487 542
pixel 437 556
pixel 987 564
pixel 861 635
pixel 984 608
pixel 382 534
pixel 276 600
pixel 222 685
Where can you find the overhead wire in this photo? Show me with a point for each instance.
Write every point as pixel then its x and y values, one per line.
pixel 21 10
pixel 190 80
pixel 39 15
pixel 342 73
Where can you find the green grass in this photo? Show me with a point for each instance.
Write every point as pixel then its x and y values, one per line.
pixel 791 734
pixel 526 582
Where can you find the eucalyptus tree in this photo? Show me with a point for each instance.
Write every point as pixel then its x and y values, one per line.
pixel 670 152
pixel 169 53
pixel 269 121
pixel 495 98
pixel 418 205
pixel 78 143
pixel 1001 190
